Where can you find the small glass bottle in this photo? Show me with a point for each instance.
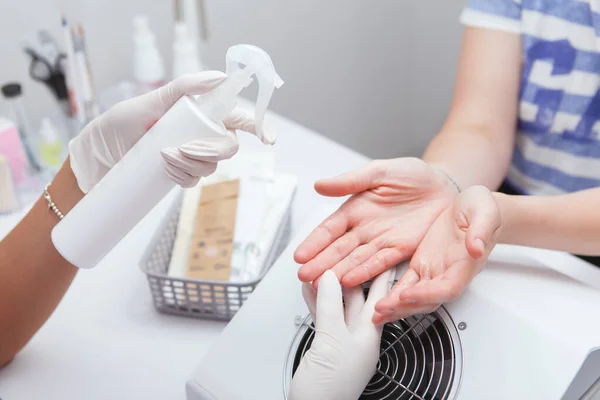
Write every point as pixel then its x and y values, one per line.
pixel 12 94
pixel 51 147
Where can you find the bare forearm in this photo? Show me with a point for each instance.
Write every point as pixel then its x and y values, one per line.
pixel 470 157
pixel 569 222
pixel 33 276
pixel 475 144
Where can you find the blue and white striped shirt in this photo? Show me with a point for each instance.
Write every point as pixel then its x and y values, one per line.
pixel 558 131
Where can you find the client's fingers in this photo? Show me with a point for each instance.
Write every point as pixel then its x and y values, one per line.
pixel 383 260
pixel 325 234
pixel 352 182
pixel 390 302
pixel 331 255
pixel 403 311
pixel 355 259
pixel 444 288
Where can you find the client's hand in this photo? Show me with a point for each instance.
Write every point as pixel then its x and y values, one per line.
pixel 106 139
pixel 393 205
pixel 344 353
pixel 453 251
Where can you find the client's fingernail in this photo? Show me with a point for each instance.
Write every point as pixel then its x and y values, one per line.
pixel 409 301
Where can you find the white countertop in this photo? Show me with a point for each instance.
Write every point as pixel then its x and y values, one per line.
pixel 106 340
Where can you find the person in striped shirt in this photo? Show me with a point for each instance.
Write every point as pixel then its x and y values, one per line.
pixel 524 120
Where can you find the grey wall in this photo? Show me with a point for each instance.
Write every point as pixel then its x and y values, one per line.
pixel 376 76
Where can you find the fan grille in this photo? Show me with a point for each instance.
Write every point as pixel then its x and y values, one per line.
pixel 420 358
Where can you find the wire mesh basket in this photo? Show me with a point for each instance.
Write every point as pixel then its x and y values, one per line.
pixel 193 298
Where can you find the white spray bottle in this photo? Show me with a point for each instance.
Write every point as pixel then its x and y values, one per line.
pixel 138 182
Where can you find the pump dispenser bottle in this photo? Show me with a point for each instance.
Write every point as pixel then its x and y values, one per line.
pixel 185 52
pixel 148 66
pixel 138 182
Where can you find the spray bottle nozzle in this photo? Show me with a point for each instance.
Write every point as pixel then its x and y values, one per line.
pixel 258 63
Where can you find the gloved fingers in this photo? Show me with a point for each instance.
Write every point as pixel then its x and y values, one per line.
pixel 354 301
pixel 310 298
pixel 243 120
pixel 180 162
pixel 211 149
pixel 181 178
pixel 330 309
pixel 381 286
pixel 189 84
pixel 186 173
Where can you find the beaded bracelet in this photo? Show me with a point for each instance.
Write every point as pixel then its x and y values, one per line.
pixel 51 205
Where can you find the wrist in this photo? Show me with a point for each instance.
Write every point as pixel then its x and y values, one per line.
pixel 64 189
pixel 506 219
pixel 450 181
pixel 517 218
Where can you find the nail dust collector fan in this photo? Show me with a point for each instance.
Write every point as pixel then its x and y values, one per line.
pixel 522 331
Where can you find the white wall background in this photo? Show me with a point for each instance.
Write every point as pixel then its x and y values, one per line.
pixel 374 75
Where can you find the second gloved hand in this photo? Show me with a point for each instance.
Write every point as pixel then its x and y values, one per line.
pixel 344 353
pixel 106 139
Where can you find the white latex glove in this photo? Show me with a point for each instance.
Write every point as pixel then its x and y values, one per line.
pixel 344 353
pixel 106 139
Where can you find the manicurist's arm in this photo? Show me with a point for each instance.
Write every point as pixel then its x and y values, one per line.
pixel 33 276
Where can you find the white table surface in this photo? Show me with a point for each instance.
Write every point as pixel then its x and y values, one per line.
pixel 106 341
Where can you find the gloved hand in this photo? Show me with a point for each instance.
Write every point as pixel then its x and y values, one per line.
pixel 393 205
pixel 344 353
pixel 106 139
pixel 453 251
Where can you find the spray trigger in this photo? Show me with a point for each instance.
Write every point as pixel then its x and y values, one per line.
pixel 256 62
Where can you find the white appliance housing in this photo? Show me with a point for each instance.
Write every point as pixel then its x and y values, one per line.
pixel 522 330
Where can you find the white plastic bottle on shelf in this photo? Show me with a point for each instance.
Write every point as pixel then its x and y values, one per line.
pixel 148 65
pixel 138 182
pixel 186 58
